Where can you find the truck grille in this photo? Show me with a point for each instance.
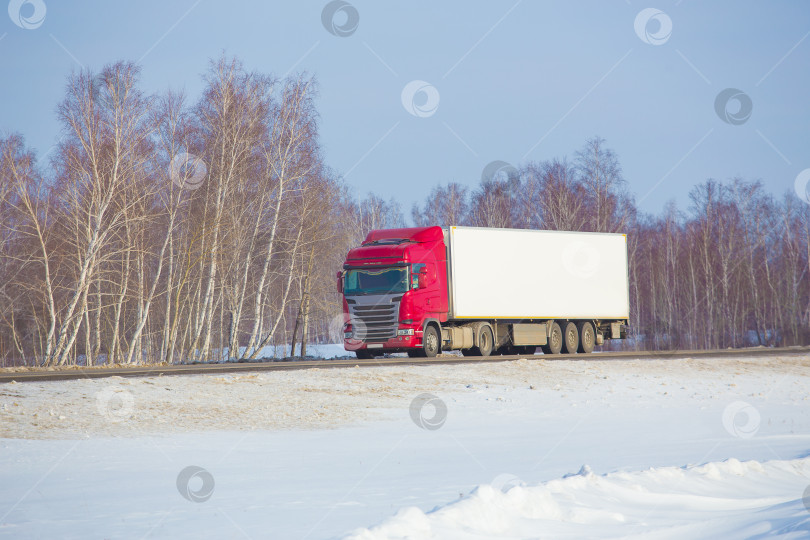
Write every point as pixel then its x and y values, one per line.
pixel 375 322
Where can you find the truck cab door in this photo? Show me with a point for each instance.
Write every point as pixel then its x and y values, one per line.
pixel 429 287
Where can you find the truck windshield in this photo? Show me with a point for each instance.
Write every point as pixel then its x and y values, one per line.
pixel 376 281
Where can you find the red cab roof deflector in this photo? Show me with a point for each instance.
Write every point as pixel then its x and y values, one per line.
pixel 414 234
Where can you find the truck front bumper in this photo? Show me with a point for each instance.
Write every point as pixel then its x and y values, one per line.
pixel 396 344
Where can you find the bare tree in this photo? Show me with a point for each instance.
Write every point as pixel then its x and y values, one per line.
pixel 601 176
pixel 99 166
pixel 25 260
pixel 553 197
pixel 493 203
pixel 289 157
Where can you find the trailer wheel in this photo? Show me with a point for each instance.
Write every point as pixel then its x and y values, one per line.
pixel 554 345
pixel 431 346
pixel 570 340
pixel 485 342
pixel 587 337
pixel 364 354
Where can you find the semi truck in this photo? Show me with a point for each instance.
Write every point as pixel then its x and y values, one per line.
pixel 483 291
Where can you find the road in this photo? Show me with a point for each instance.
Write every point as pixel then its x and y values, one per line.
pixel 232 367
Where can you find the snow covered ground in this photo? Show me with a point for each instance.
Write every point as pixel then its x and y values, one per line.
pixel 316 350
pixel 714 448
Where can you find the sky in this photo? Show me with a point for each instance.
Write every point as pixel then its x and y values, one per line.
pixel 415 94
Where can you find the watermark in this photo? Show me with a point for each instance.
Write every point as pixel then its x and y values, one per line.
pixel 653 26
pixel 800 185
pixel 741 419
pixel 727 113
pixel 505 482
pixel 428 412
pixel 27 14
pixel 337 328
pixel 115 404
pixel 498 171
pixel 340 18
pixel 187 171
pixel 339 324
pixel 195 484
pixel 580 260
pixel 420 99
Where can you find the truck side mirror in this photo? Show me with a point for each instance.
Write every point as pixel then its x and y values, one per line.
pixel 423 277
pixel 340 282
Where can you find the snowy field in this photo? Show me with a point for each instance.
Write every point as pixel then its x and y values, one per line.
pixel 714 448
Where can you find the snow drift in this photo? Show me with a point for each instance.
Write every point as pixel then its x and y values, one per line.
pixel 729 499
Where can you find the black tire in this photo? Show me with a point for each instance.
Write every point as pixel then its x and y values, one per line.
pixel 431 345
pixel 468 352
pixel 587 337
pixel 570 340
pixel 364 354
pixel 486 342
pixel 554 345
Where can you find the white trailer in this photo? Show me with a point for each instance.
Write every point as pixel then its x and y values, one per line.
pixel 564 291
pixel 528 274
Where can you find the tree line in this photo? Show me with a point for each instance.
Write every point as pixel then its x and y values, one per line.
pixel 166 231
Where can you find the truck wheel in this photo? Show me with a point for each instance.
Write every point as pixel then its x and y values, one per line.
pixel 364 355
pixel 570 340
pixel 431 346
pixel 554 340
pixel 485 342
pixel 587 337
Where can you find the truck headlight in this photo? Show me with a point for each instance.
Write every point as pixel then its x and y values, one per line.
pixel 405 332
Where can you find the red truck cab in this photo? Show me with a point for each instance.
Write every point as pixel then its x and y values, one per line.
pixel 394 285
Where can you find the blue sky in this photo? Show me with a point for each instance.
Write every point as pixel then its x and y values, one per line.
pixel 516 81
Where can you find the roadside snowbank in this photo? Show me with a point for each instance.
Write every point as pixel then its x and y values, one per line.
pixel 315 350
